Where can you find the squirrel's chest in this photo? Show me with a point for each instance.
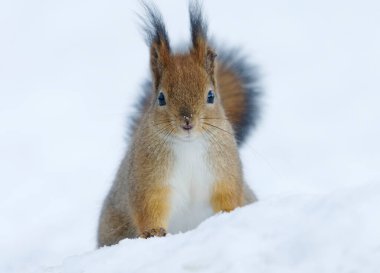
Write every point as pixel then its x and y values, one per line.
pixel 191 180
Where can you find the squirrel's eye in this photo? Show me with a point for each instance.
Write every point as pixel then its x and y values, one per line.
pixel 161 99
pixel 210 97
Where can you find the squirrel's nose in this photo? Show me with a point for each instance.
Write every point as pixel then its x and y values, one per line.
pixel 187 126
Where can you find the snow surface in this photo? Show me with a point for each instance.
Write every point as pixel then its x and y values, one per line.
pixel 70 73
pixel 300 233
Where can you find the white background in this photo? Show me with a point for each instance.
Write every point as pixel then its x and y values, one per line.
pixel 70 73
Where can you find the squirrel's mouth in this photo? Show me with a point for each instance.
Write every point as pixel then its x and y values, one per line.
pixel 187 133
pixel 187 127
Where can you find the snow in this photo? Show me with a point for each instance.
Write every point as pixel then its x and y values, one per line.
pixel 69 74
pixel 299 233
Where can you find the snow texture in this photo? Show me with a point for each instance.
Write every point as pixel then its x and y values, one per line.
pixel 70 73
pixel 300 233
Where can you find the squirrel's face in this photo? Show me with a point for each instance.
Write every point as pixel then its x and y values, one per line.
pixel 186 102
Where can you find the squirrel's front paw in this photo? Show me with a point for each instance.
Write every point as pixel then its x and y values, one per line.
pixel 154 232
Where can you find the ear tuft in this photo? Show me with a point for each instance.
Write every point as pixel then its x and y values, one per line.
pixel 157 39
pixel 198 25
pixel 201 50
pixel 153 25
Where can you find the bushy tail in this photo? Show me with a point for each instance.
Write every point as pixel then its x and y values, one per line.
pixel 237 83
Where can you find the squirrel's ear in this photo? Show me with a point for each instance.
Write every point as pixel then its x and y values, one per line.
pixel 159 58
pixel 157 39
pixel 201 50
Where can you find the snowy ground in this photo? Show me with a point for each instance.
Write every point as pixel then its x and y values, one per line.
pixel 301 233
pixel 69 75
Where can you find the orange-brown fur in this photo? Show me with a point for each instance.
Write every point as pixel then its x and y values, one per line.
pixel 231 92
pixel 138 202
pixel 227 196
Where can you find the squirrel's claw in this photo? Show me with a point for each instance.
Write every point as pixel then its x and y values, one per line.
pixel 154 232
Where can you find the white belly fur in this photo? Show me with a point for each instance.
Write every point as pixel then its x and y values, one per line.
pixel 191 183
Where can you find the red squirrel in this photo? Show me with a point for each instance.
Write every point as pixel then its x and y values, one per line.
pixel 182 164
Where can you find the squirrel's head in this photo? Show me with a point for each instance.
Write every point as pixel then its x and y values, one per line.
pixel 185 98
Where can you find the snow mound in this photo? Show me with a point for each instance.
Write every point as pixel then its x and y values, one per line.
pixel 337 232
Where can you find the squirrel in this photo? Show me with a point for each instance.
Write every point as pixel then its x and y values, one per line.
pixel 182 164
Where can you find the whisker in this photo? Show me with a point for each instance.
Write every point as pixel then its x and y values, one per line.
pixel 155 133
pixel 159 142
pixel 214 140
pixel 254 151
pixel 155 124
pixel 209 124
pixel 215 118
pixel 165 140
pixel 164 122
